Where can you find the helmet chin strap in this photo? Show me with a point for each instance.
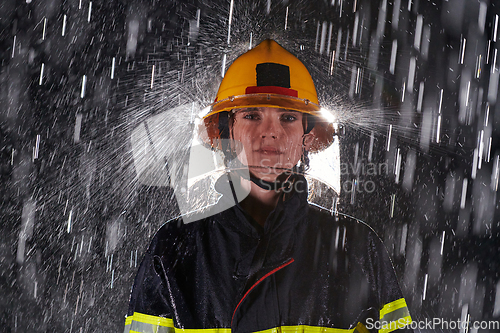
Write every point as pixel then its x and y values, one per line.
pixel 267 185
pixel 270 186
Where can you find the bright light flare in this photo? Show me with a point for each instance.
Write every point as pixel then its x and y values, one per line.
pixel 328 115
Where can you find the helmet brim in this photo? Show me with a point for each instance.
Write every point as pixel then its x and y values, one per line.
pixel 324 129
pixel 264 100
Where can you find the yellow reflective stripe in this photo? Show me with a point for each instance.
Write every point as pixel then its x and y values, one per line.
pixel 398 304
pixel 143 323
pixel 135 324
pixel 153 320
pixel 394 315
pixel 140 322
pixel 360 328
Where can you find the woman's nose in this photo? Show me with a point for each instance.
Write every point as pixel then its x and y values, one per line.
pixel 272 128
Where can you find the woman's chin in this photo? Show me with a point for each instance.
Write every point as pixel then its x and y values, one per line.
pixel 270 175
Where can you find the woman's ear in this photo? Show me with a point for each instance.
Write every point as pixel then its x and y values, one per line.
pixel 308 139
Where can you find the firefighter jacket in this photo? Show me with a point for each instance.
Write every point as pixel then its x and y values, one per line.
pixel 304 271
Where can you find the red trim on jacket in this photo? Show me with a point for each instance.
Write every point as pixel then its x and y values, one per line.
pixel 259 281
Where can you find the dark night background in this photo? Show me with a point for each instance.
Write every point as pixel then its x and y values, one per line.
pixel 75 220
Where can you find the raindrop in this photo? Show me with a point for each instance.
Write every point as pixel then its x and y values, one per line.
pixel 355 29
pixel 370 150
pixel 13 46
pixel 495 29
pixel 404 234
pixel 84 83
pixel 395 14
pixel 90 11
pixel 230 21
pixel 397 169
pixel 286 17
pixel 418 32
pixel 78 126
pixel 332 62
pixel 68 230
pixel 388 145
pixel 442 242
pixel 393 201
pixel 481 20
pixel 37 147
pixel 223 71
pixel 474 164
pixel 420 96
pixel 41 74
pixel 480 149
pixel 323 37
pixel 381 19
pixel 425 287
pixel 493 86
pixel 113 68
pixel 464 193
pixel 64 26
pixel 411 73
pixel 152 76
pixel 394 51
pixel 462 50
pixel 495 174
pixel 44 28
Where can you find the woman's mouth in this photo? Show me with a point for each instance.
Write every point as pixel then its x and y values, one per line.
pixel 269 150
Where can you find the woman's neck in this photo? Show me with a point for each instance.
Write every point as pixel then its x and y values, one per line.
pixel 260 203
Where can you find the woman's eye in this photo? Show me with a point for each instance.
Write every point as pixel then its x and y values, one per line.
pixel 251 116
pixel 288 118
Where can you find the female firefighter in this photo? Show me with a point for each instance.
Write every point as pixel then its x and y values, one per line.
pixel 271 262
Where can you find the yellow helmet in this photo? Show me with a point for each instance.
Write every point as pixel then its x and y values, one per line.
pixel 269 76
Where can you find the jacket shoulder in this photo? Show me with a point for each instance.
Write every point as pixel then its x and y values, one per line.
pixel 326 218
pixel 172 235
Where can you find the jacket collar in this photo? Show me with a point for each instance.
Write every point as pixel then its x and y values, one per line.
pixel 278 231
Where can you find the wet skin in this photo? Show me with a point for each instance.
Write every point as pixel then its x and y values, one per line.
pixel 272 140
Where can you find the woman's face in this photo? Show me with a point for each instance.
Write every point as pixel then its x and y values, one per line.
pixel 272 140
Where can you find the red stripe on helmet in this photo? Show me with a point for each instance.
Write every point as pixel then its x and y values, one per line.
pixel 272 90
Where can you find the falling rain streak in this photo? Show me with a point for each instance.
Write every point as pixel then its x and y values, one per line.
pixel 90 11
pixel 152 76
pixel 64 26
pixel 41 74
pixel 44 27
pixel 84 83
pixel 230 20
pixel 13 47
pixel 70 218
pixel 113 68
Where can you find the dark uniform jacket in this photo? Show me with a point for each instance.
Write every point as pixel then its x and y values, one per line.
pixel 304 271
